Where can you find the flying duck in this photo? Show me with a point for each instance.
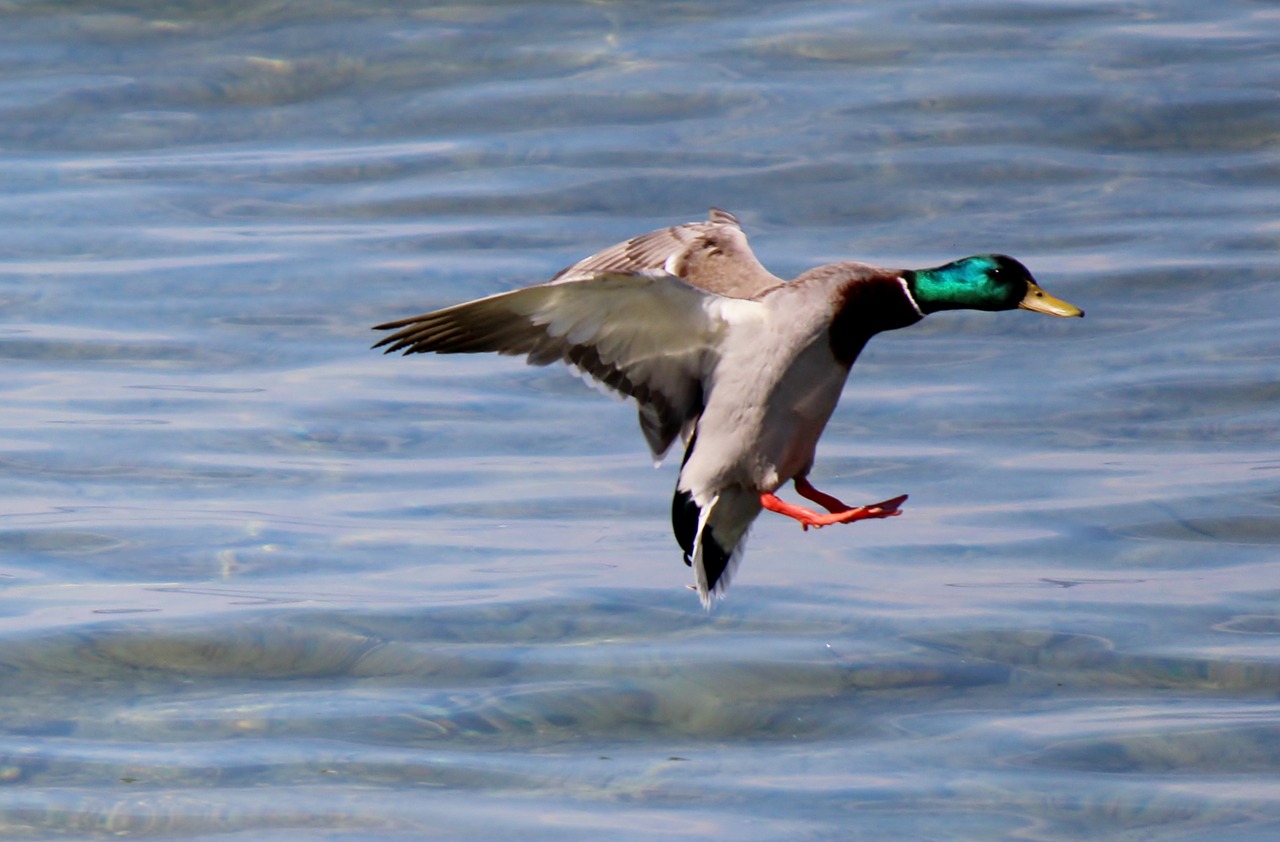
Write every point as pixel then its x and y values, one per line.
pixel 743 367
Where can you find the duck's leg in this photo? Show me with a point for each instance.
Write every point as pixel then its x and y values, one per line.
pixel 826 501
pixel 839 512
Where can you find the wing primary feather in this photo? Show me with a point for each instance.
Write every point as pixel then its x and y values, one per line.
pixel 647 335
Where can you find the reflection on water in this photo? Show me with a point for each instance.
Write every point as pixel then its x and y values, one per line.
pixel 256 579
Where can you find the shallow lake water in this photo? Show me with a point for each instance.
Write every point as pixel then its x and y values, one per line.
pixel 258 581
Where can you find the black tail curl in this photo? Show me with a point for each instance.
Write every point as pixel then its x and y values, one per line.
pixel 685 515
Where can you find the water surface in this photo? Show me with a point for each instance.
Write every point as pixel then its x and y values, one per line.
pixel 258 581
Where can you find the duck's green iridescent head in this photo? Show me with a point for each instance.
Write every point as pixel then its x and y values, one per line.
pixel 983 282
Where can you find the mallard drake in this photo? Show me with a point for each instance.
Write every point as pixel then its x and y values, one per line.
pixel 743 367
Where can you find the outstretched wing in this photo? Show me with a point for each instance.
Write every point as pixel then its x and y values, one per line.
pixel 647 335
pixel 712 255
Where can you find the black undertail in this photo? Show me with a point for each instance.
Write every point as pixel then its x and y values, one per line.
pixel 684 522
pixel 684 512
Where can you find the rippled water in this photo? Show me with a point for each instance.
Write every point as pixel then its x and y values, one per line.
pixel 257 581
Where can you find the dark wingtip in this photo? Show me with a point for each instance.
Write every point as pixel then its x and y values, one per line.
pixel 395 341
pixel 386 340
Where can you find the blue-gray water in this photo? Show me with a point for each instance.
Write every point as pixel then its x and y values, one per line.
pixel 259 582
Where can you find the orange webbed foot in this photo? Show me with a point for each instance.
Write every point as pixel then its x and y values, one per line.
pixel 838 512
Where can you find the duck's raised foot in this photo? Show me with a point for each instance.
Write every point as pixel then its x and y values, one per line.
pixel 838 511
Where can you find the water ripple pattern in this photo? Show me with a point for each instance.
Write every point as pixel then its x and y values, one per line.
pixel 257 581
